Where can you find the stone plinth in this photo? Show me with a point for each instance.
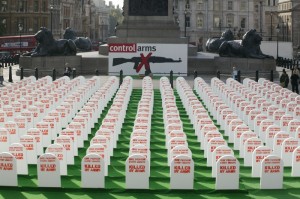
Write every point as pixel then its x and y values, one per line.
pixel 83 66
pixel 225 64
pixel 45 64
pixel 148 21
pixel 86 65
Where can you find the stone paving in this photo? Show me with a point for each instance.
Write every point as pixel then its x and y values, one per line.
pixel 137 82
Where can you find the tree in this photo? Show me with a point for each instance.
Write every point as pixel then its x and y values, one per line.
pixel 2 29
pixel 115 18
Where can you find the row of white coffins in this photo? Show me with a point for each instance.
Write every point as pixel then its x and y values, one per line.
pixel 95 163
pixel 269 128
pixel 138 162
pixel 46 128
pixel 219 156
pixel 251 147
pixel 66 144
pixel 232 122
pixel 274 135
pixel 36 100
pixel 49 116
pixel 17 126
pixel 179 155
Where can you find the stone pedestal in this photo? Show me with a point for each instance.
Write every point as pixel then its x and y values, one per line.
pixel 86 65
pixel 47 64
pixel 225 64
pixel 148 21
pixel 83 66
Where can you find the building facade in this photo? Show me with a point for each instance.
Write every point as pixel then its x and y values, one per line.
pixel 203 19
pixel 25 16
pixel 270 15
pixel 289 23
pixel 88 18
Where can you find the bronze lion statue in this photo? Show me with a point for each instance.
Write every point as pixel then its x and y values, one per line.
pixel 82 43
pixel 249 47
pixel 48 46
pixel 213 44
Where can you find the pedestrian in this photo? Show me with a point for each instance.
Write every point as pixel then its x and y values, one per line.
pixel 284 79
pixel 1 75
pixel 234 73
pixel 68 70
pixel 295 80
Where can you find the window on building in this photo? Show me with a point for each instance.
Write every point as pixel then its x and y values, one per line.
pixel 230 20
pixel 243 22
pixel 176 20
pixel 230 5
pixel 67 12
pixel 256 8
pixel 35 24
pixel 66 23
pixel 44 6
pixel 187 21
pixel 3 21
pixel 269 2
pixel 176 4
pixel 200 4
pixel 216 5
pixel 23 24
pixel 36 6
pixel 3 7
pixel 3 25
pixel 274 2
pixel 45 22
pixel 200 21
pixel 243 6
pixel 256 23
pixel 187 4
pixel 217 22
pixel 22 6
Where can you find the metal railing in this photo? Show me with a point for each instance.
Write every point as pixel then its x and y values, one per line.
pixel 252 75
pixel 287 63
pixel 37 73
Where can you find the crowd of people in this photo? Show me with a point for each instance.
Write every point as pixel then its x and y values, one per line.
pixel 294 79
pixel 9 60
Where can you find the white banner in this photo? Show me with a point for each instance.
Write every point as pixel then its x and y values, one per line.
pixel 142 58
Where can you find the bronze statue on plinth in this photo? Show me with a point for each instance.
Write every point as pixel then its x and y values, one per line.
pixel 48 46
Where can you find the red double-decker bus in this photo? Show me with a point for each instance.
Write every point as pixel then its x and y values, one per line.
pixel 17 44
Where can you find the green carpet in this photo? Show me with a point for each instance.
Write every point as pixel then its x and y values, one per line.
pixel 159 178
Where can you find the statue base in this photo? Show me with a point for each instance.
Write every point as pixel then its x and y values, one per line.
pixel 84 65
pixel 210 63
pixel 203 63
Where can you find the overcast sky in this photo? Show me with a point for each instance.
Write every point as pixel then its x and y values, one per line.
pixel 116 2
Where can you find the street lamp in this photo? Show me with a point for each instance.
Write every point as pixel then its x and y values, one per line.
pixel 261 17
pixel 277 30
pixel 287 29
pixel 51 9
pixel 20 27
pixel 283 30
pixel 102 25
pixel 271 25
pixel 185 13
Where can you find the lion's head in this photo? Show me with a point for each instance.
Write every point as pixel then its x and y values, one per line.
pixel 43 36
pixel 251 38
pixel 69 34
pixel 227 35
